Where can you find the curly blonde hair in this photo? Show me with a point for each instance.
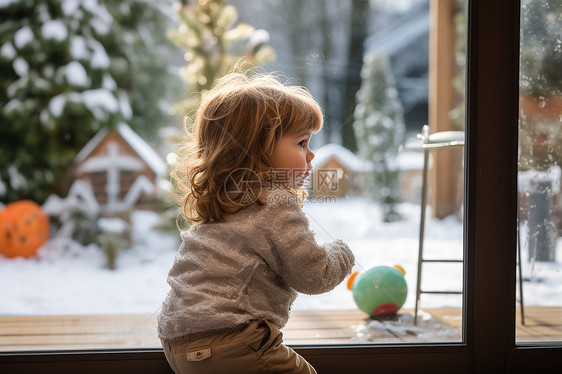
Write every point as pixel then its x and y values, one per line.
pixel 235 129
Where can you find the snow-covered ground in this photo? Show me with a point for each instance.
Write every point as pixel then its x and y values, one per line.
pixel 64 279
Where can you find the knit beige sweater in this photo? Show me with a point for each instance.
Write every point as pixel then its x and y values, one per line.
pixel 249 266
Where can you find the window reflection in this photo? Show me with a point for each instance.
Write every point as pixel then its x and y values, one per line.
pixel 539 172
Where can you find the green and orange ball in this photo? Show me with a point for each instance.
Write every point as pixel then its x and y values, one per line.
pixel 380 291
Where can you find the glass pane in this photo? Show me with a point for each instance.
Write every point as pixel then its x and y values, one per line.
pixel 93 102
pixel 539 313
pixel 367 183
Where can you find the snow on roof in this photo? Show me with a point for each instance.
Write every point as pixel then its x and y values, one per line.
pixel 410 160
pixel 405 160
pixel 91 145
pixel 144 150
pixel 139 145
pixel 340 153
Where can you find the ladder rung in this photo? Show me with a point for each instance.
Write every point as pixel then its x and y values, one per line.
pixel 443 292
pixel 424 260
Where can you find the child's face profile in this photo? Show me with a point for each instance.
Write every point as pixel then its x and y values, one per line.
pixel 292 159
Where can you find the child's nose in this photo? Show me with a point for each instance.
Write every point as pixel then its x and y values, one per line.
pixel 310 156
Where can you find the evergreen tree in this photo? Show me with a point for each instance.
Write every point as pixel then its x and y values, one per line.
pixel 67 69
pixel 142 51
pixel 379 129
pixel 214 45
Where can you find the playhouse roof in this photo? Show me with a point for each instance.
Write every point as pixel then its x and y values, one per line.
pixel 139 145
pixel 409 160
pixel 340 153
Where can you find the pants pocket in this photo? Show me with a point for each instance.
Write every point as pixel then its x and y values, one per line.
pixel 265 336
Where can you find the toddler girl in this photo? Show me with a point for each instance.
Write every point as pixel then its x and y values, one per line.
pixel 249 249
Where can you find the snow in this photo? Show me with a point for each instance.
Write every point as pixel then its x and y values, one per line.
pixel 41 83
pixel 66 278
pixel 75 74
pixel 23 36
pixel 17 85
pixel 113 225
pixel 410 160
pixel 527 180
pixel 428 328
pixel 7 51
pixel 55 30
pixel 108 82
pixel 99 59
pixel 102 20
pixel 79 202
pixel 125 106
pixel 7 3
pixel 69 7
pixel 91 145
pixel 113 160
pixel 340 153
pixel 142 185
pixel 142 148
pixel 58 102
pixel 13 105
pixel 100 98
pixel 56 105
pixel 78 49
pixel 17 180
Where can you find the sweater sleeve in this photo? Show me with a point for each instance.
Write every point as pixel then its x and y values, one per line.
pixel 305 265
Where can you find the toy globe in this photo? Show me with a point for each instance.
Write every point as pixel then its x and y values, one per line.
pixel 24 228
pixel 380 291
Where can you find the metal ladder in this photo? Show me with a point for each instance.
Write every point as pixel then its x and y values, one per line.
pixel 440 140
pixel 427 142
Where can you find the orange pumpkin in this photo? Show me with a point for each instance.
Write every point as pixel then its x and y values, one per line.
pixel 24 228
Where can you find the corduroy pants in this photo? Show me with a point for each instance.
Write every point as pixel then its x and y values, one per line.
pixel 254 348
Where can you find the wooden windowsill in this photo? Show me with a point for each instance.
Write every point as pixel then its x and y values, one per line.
pixel 85 332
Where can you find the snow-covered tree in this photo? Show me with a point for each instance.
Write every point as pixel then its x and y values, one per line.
pixel 214 45
pixel 541 47
pixel 67 69
pixel 139 44
pixel 379 129
pixel 540 83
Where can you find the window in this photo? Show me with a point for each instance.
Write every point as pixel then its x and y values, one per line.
pixel 490 238
pixel 540 89
pixel 367 191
